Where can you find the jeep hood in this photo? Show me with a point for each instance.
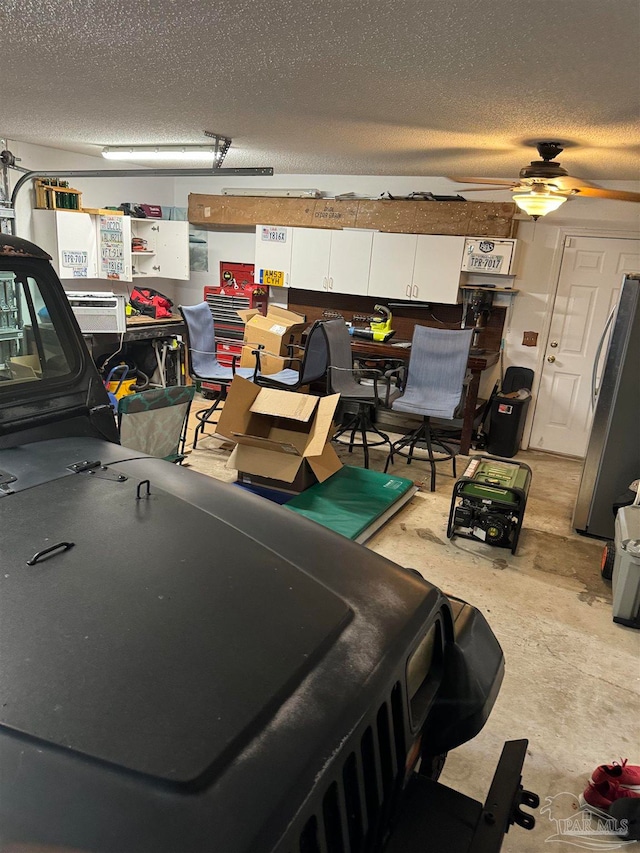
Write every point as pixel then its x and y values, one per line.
pixel 150 601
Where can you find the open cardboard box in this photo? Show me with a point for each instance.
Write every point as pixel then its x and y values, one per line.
pixel 274 332
pixel 279 435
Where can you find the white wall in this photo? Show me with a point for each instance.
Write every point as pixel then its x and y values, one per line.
pixel 96 192
pixel 539 268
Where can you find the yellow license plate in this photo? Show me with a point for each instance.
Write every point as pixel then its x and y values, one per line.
pixel 272 278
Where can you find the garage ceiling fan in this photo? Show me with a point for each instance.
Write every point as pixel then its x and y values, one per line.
pixel 544 185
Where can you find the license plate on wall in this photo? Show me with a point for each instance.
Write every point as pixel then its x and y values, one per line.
pixel 485 263
pixel 272 278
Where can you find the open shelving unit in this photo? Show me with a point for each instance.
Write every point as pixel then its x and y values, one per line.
pixel 50 197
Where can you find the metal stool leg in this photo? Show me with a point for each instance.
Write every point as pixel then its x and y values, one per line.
pixel 361 423
pixel 425 438
pixel 204 414
pixel 432 461
pixel 365 446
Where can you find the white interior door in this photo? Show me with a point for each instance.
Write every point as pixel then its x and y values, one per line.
pixel 591 274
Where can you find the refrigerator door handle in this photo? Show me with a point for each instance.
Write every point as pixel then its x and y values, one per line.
pixel 594 390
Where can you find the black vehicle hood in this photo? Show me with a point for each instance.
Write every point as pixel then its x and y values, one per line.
pixel 181 677
pixel 151 604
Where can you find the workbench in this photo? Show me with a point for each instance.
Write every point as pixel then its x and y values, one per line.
pixel 161 335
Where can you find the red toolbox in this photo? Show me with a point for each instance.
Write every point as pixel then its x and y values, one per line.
pixel 236 292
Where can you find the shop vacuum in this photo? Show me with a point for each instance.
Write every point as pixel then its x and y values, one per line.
pixel 489 500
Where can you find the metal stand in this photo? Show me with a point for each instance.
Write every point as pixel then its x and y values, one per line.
pixel 360 422
pixel 423 438
pixel 204 415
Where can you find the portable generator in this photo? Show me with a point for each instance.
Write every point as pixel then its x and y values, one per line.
pixel 489 500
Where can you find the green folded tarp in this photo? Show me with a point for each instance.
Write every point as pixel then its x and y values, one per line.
pixel 354 501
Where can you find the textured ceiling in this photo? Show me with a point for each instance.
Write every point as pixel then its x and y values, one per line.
pixel 333 86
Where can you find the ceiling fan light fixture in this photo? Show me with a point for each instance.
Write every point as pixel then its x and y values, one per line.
pixel 538 201
pixel 174 153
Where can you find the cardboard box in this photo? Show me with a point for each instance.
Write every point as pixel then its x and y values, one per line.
pixel 304 479
pixel 278 434
pixel 274 332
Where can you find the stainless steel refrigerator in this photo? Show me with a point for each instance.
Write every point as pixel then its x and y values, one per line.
pixel 612 461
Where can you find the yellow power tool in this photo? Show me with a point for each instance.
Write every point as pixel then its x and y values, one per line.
pixel 380 326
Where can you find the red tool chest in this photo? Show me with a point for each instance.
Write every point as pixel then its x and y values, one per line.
pixel 236 292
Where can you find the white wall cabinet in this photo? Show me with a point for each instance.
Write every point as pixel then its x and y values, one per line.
pixel 273 255
pixel 164 249
pixel 310 255
pixel 331 261
pixel 99 247
pixel 419 267
pixel 392 260
pixel 436 272
pixel 71 240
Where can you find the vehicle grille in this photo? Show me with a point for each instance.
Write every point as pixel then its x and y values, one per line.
pixel 358 802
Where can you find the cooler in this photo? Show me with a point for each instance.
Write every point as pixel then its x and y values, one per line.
pixel 626 568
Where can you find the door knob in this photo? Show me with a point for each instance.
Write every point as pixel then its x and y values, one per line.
pixel 553 344
pixel 551 359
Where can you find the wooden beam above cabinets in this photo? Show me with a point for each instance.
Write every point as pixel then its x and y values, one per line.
pixel 473 218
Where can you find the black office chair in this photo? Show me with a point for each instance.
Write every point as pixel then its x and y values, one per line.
pixel 313 363
pixel 433 388
pixel 342 378
pixel 203 362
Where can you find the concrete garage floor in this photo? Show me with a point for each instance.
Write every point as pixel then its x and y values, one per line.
pixel 572 683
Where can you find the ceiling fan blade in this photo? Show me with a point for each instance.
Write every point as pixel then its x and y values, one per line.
pixel 600 192
pixel 568 185
pixel 495 181
pixel 488 189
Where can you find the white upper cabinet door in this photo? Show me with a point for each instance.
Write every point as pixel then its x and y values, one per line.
pixel 392 261
pixel 273 255
pixel 172 249
pixel 436 273
pixel 310 258
pixel 350 262
pixel 70 239
pixel 77 245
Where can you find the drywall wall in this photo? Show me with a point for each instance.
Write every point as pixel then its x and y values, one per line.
pixel 96 192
